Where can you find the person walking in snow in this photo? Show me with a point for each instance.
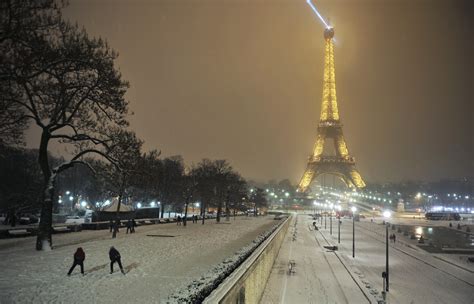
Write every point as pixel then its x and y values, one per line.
pixel 111 225
pixel 134 224
pixel 178 221
pixel 79 257
pixel 114 256
pixel 129 226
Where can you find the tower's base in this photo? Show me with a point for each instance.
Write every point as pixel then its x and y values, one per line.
pixel 342 168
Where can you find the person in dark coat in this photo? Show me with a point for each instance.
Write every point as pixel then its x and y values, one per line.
pixel 134 224
pixel 129 226
pixel 79 257
pixel 114 256
pixel 111 225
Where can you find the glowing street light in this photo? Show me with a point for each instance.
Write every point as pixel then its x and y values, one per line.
pixel 83 204
pixel 152 204
pixel 139 205
pixel 387 214
pixel 71 198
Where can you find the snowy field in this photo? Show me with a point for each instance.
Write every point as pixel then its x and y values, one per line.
pixel 158 259
pixel 416 277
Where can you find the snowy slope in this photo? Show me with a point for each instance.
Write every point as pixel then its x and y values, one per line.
pixel 156 265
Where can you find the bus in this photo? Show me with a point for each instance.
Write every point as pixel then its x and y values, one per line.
pixel 445 216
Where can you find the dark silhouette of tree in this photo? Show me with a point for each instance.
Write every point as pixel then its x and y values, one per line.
pixel 120 176
pixel 213 183
pixel 20 180
pixel 170 183
pixel 25 31
pixel 66 83
pixel 259 199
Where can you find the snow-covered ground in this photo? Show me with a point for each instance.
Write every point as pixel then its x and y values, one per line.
pixel 158 260
pixel 319 276
pixel 415 275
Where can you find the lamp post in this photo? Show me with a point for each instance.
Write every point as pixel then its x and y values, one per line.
pixel 387 214
pixel 339 231
pixel 330 223
pixel 354 209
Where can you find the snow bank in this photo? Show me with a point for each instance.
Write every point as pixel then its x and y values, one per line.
pixel 198 290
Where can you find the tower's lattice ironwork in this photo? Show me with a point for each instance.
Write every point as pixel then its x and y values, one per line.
pixel 342 164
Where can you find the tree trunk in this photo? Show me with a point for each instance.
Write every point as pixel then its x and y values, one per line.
pixel 117 217
pixel 219 210
pixel 44 239
pixel 203 212
pixel 185 212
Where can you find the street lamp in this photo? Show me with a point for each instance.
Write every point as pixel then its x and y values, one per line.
pixel 387 214
pixel 354 209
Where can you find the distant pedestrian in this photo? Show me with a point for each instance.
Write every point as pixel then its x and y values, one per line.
pixel 178 221
pixel 450 225
pixel 117 225
pixel 459 226
pixel 114 256
pixel 194 218
pixel 111 225
pixel 394 237
pixel 79 257
pixel 134 224
pixel 13 219
pixel 129 226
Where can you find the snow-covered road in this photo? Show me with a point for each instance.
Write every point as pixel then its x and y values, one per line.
pixel 415 275
pixel 158 259
pixel 321 276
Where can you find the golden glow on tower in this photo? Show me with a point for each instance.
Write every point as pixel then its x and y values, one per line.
pixel 329 105
pixel 342 164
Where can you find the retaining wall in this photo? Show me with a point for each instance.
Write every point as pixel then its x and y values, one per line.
pixel 247 283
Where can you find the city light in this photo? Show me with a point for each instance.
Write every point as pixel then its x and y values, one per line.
pixel 353 209
pixel 139 205
pixel 152 204
pixel 83 204
pixel 71 198
pixel 387 214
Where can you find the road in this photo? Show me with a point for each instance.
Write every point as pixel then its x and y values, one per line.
pixel 323 276
pixel 319 275
pixel 415 275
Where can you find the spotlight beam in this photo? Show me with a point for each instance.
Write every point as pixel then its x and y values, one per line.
pixel 317 13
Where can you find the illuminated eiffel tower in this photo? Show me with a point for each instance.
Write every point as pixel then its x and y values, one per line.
pixel 341 164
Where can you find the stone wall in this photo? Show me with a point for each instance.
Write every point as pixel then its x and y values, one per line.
pixel 247 283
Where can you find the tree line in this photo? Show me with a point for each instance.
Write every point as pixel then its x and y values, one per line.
pixel 55 76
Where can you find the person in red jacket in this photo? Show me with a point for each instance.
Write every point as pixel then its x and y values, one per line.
pixel 79 257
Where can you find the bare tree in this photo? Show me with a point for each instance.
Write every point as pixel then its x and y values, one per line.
pixel 121 175
pixel 66 83
pixel 23 26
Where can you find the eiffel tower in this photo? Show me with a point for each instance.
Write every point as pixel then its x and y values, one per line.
pixel 342 164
